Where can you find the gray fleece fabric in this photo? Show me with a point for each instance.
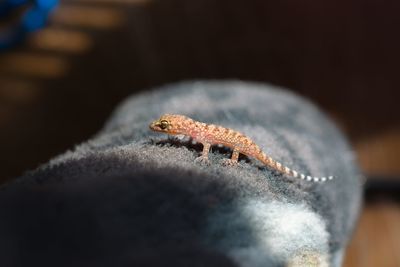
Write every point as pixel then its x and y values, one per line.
pixel 132 197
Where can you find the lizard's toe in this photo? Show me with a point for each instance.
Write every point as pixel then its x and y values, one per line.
pixel 229 162
pixel 202 160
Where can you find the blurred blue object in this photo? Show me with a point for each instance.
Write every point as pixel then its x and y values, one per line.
pixel 32 19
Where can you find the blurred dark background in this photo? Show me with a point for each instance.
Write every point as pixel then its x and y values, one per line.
pixel 59 86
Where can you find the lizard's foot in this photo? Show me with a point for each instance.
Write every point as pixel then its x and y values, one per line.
pixel 229 162
pixel 202 160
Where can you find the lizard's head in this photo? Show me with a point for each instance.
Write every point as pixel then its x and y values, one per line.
pixel 168 123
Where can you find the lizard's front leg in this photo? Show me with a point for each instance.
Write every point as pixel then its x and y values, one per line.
pixel 203 159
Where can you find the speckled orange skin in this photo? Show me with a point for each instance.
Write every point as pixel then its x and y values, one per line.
pixel 210 134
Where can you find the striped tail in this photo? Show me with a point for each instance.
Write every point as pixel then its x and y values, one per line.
pixel 283 169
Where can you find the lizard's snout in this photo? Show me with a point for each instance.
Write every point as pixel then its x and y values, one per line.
pixel 153 125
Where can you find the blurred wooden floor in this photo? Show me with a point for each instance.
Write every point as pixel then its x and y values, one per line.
pixel 377 239
pixel 58 88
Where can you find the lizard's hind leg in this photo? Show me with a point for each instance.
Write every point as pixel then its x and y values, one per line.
pixel 233 161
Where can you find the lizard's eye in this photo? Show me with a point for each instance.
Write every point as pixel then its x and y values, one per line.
pixel 164 124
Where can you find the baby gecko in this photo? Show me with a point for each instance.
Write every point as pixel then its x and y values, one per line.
pixel 209 134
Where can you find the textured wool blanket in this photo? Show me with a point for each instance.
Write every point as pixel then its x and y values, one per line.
pixel 133 197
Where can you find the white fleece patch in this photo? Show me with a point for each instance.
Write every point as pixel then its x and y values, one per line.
pixel 282 230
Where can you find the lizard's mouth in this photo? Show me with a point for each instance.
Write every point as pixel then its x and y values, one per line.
pixel 155 126
pixel 158 127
